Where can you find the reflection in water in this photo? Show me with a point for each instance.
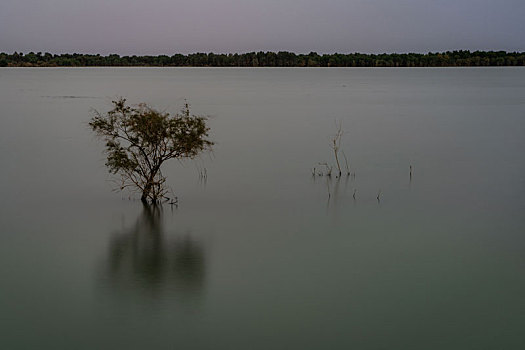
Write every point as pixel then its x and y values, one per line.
pixel 336 187
pixel 143 258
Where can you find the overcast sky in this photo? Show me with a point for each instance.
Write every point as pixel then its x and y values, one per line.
pixel 173 26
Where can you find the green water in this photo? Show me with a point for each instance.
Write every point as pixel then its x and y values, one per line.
pixel 262 255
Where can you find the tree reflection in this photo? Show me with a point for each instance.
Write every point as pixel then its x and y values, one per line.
pixel 144 257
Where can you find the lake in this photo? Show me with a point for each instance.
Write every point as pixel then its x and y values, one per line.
pixel 262 254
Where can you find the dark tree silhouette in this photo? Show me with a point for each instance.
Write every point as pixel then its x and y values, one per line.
pixel 272 59
pixel 139 139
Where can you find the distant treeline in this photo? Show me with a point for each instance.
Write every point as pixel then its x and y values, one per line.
pixel 269 59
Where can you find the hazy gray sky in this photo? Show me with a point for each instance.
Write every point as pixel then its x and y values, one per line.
pixel 326 26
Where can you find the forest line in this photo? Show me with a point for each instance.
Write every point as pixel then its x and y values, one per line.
pixel 461 58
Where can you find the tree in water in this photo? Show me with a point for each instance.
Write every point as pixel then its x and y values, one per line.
pixel 139 139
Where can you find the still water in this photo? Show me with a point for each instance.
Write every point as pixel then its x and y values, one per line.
pixel 261 254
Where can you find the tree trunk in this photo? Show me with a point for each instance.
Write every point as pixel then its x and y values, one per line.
pixel 149 185
pixel 145 193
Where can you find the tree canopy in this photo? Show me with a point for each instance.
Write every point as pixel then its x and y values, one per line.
pixel 139 139
pixel 270 59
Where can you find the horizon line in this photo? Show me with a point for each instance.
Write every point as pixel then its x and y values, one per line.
pixel 267 51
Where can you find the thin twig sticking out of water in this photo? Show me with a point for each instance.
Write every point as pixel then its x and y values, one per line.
pixel 346 163
pixel 172 200
pixel 336 144
pixel 203 175
pixel 328 169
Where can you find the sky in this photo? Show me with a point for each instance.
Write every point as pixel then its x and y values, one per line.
pixel 153 27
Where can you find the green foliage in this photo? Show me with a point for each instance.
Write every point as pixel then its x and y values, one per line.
pixel 139 139
pixel 272 59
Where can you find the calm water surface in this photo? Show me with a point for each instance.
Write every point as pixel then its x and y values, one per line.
pixel 259 256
